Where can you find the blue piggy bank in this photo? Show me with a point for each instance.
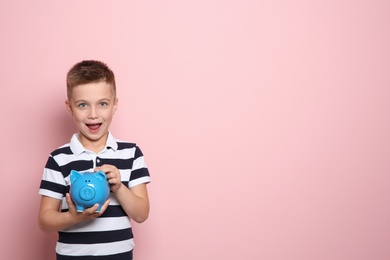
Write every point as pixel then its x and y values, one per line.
pixel 89 188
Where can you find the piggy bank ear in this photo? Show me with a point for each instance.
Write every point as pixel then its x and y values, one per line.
pixel 101 175
pixel 74 175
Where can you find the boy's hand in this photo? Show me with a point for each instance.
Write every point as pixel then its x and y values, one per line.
pixel 113 176
pixel 87 214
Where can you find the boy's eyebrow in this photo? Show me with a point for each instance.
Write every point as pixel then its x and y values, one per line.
pixel 104 99
pixel 79 100
pixel 82 100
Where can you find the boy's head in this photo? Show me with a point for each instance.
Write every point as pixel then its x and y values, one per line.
pixel 92 101
pixel 89 71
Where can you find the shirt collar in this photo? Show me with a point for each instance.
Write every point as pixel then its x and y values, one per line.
pixel 77 148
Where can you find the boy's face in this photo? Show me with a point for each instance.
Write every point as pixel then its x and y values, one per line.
pixel 92 107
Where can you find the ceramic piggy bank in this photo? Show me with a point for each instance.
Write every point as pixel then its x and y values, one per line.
pixel 88 188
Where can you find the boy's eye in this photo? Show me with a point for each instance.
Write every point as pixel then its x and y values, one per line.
pixel 103 104
pixel 81 105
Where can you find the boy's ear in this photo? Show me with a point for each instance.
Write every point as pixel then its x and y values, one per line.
pixel 115 104
pixel 68 107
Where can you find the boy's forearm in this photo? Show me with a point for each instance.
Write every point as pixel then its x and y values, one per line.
pixel 136 207
pixel 51 220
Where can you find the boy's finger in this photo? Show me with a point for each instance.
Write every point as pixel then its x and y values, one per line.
pixel 69 200
pixel 105 206
pixel 103 168
pixel 91 210
pixel 70 203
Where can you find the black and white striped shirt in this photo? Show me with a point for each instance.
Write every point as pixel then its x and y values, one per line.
pixel 110 234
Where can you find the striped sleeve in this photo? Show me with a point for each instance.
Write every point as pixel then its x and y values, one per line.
pixel 53 183
pixel 139 171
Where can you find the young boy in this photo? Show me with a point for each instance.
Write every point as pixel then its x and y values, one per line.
pixel 92 103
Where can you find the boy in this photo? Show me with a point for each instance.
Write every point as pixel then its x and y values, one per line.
pixel 92 103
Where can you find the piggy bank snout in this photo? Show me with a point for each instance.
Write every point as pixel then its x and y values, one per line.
pixel 87 193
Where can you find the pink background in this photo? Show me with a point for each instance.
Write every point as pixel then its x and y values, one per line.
pixel 265 124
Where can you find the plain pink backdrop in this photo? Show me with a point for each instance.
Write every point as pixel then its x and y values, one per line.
pixel 265 124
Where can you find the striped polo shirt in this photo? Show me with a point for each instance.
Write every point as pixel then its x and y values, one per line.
pixel 110 234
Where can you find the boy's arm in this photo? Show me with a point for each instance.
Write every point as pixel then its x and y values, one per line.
pixel 51 219
pixel 134 201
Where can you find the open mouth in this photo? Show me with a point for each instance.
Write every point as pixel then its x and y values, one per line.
pixel 94 127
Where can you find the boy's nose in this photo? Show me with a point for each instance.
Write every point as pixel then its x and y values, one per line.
pixel 93 114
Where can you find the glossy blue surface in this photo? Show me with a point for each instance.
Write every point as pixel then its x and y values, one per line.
pixel 89 188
